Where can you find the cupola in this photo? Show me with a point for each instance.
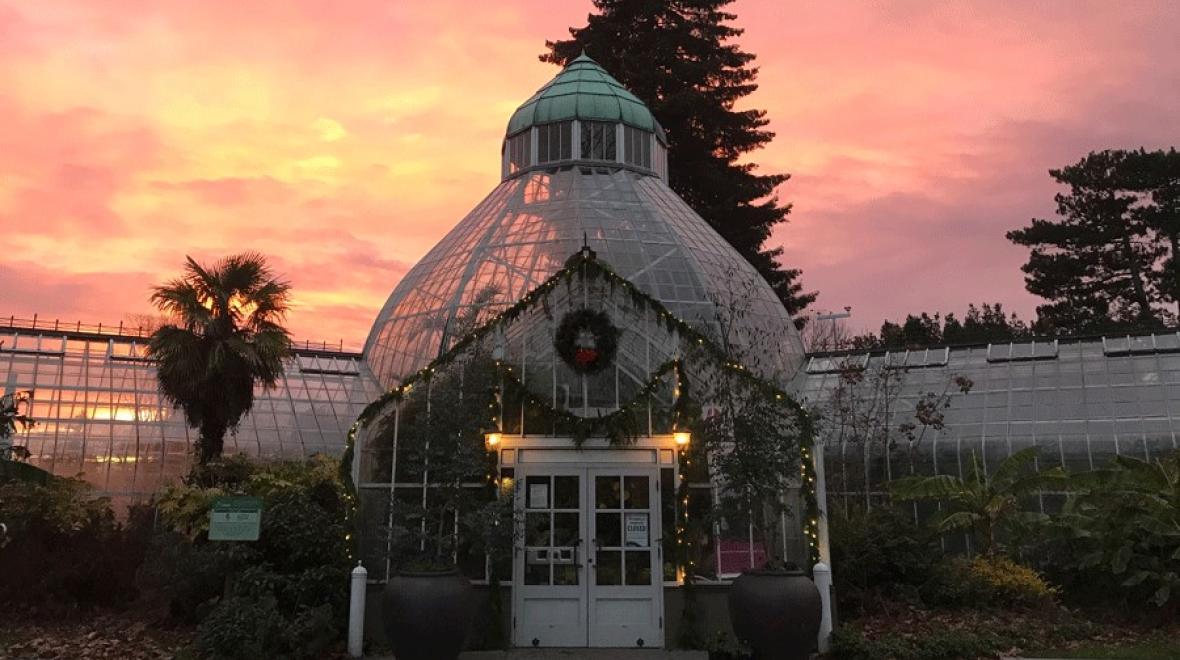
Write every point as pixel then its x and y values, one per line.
pixel 584 117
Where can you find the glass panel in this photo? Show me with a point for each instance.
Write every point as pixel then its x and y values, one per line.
pixel 609 570
pixel 566 128
pixel 565 529
pixel 606 492
pixel 565 574
pixel 587 130
pixel 638 565
pixel 636 492
pixel 565 495
pixel 543 144
pixel 537 529
pixel 536 574
pixel 608 530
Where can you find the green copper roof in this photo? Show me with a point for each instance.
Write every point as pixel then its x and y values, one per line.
pixel 583 90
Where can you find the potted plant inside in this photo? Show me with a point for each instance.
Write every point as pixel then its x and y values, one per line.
pixel 441 486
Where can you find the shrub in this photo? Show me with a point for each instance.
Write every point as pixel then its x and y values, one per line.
pixel 879 552
pixel 64 549
pixel 986 582
pixel 242 628
pixel 723 646
pixel 849 643
pixel 1116 540
pixel 294 577
pixel 188 578
pixel 250 628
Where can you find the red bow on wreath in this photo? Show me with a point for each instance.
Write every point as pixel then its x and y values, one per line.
pixel 585 357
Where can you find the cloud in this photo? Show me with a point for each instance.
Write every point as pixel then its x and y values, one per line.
pixel 345 139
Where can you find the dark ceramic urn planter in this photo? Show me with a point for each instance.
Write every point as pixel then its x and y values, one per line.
pixel 428 614
pixel 776 612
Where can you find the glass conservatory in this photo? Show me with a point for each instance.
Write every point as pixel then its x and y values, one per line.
pixel 582 226
pixel 100 415
pixel 1081 401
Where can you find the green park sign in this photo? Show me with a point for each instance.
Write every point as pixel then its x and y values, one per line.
pixel 235 519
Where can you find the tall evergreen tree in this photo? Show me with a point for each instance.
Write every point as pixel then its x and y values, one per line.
pixel 1159 177
pixel 1098 264
pixel 678 57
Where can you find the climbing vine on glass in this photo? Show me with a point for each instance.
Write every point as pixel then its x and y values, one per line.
pixel 587 341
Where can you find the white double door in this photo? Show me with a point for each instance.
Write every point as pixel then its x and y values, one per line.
pixel 588 570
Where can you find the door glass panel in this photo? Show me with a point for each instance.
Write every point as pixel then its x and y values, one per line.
pixel 610 570
pixel 638 567
pixel 536 573
pixel 565 529
pixel 565 574
pixel 565 494
pixel 606 492
pixel 537 529
pixel 636 492
pixel 608 528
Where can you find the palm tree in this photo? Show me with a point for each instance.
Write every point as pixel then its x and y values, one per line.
pixel 224 338
pixel 982 502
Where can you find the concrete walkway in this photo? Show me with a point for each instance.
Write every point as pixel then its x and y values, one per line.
pixel 578 654
pixel 589 654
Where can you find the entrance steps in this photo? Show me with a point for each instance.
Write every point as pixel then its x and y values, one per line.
pixel 588 654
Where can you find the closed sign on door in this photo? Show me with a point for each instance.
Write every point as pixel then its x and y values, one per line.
pixel 635 530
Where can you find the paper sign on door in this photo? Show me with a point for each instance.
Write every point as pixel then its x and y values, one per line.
pixel 538 496
pixel 635 530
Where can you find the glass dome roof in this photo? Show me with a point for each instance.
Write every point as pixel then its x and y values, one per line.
pixel 553 201
pixel 584 91
pixel 523 232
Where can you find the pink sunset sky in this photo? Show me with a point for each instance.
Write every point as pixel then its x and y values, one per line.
pixel 344 139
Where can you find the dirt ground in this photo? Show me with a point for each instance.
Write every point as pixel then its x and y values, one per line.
pixel 97 637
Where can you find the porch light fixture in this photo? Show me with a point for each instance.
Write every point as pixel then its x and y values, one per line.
pixel 492 439
pixel 682 438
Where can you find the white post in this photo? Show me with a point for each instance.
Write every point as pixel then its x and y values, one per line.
pixel 823 582
pixel 356 611
pixel 822 570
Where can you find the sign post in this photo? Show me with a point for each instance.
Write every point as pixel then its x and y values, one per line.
pixel 235 519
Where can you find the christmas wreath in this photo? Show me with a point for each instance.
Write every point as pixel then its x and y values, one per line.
pixel 587 340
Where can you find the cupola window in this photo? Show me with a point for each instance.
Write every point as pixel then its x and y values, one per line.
pixel 637 147
pixel 555 142
pixel 598 140
pixel 518 151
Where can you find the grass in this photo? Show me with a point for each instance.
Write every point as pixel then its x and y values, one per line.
pixel 1152 649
